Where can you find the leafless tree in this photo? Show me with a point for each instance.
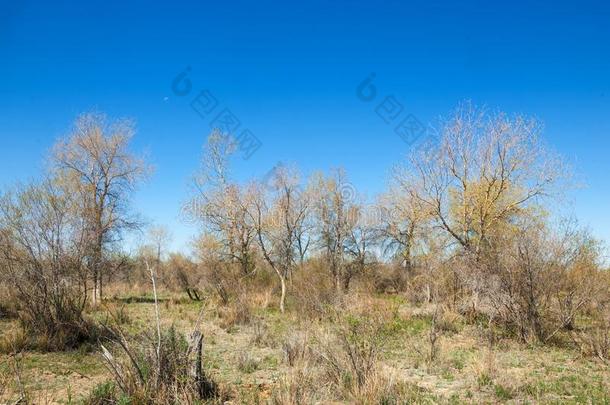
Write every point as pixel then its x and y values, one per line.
pixel 487 172
pixel 358 244
pixel 403 223
pixel 95 162
pixel 220 205
pixel 278 215
pixel 487 169
pixel 332 210
pixel 159 238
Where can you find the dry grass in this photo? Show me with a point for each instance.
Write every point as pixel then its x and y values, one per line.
pixel 376 346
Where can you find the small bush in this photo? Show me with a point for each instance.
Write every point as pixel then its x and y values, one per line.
pixel 102 394
pixel 594 341
pixel 13 340
pixel 299 386
pixel 117 314
pixel 351 360
pixel 313 292
pixel 150 371
pixel 295 349
pixel 234 314
pixel 260 334
pixel 246 363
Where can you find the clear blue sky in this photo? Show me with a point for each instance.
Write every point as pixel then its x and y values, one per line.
pixel 289 72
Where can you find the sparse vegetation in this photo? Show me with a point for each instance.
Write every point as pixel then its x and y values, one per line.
pixel 462 287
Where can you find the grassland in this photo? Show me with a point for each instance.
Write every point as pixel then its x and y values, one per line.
pixel 254 358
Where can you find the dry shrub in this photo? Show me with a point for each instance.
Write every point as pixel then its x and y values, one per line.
pixel 352 366
pixel 124 290
pixel 6 380
pixel 308 382
pixel 60 336
pixel 246 363
pixel 298 386
pixel 116 313
pixel 351 359
pixel 13 340
pixel 42 256
pixel 151 371
pixel 179 273
pixel 261 297
pixel 594 340
pixel 383 388
pixel 296 348
pixel 261 336
pixel 13 388
pixel 8 309
pixel 368 306
pixel 387 279
pixel 226 283
pixel 303 382
pixel 447 321
pixel 235 313
pixel 535 282
pixel 313 291
pixel 485 367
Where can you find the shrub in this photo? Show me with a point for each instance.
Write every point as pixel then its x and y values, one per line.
pixel 102 394
pixel 246 363
pixel 235 313
pixel 295 349
pixel 313 291
pixel 351 360
pixel 153 371
pixel 42 256
pixel 298 386
pixel 594 340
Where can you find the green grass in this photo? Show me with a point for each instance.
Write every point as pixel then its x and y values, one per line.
pixel 400 326
pixel 503 393
pixel 571 388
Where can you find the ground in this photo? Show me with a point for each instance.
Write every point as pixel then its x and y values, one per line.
pixel 250 357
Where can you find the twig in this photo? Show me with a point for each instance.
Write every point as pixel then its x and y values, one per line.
pixel 158 317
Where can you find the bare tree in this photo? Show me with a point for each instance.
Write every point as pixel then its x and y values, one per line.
pixel 333 225
pixel 278 216
pixel 221 205
pixel 402 224
pixel 159 237
pixel 486 170
pixel 360 238
pixel 94 161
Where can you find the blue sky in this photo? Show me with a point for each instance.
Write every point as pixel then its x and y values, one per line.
pixel 289 72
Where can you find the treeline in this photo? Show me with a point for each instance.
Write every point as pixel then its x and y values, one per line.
pixel 465 223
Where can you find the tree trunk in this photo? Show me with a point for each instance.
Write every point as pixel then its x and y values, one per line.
pixel 195 351
pixel 95 296
pixel 205 388
pixel 283 296
pixel 99 289
pixel 337 280
pixel 97 272
pixel 347 278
